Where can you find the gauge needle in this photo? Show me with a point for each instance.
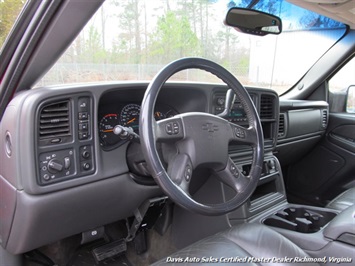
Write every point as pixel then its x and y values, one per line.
pixel 108 130
pixel 130 121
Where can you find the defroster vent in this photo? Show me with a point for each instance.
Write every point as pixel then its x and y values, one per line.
pixel 267 107
pixel 54 120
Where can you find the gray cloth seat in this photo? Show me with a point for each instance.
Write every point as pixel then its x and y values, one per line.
pixel 343 201
pixel 251 244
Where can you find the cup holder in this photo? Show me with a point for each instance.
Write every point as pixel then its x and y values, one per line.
pixel 300 219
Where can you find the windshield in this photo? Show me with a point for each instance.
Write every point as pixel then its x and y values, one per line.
pixel 134 39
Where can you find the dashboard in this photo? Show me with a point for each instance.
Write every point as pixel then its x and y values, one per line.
pixel 69 138
pixel 60 151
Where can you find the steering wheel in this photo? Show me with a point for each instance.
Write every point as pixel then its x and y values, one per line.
pixel 199 140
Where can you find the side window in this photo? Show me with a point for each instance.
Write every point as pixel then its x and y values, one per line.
pixel 342 89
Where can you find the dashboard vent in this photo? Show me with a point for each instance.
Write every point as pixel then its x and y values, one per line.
pixel 281 132
pixel 54 120
pixel 324 118
pixel 266 107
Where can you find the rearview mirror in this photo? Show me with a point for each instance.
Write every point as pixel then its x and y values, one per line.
pixel 253 21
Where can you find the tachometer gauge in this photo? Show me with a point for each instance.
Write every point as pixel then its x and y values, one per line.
pixel 107 123
pixel 130 116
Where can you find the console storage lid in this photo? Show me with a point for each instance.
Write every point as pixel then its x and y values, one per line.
pixel 342 227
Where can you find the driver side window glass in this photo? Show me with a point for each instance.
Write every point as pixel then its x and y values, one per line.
pixel 342 86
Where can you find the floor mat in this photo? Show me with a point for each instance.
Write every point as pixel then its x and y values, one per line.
pixel 84 257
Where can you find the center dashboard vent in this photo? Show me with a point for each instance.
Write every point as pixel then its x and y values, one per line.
pixel 54 120
pixel 266 107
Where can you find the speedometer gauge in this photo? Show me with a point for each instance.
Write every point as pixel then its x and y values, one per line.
pixel 130 116
pixel 107 123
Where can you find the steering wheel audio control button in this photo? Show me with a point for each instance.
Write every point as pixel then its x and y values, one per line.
pixel 172 128
pixel 175 128
pixel 240 133
pixel 169 128
pixel 188 172
pixel 234 170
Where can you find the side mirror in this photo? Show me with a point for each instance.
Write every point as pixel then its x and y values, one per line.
pixel 350 100
pixel 253 21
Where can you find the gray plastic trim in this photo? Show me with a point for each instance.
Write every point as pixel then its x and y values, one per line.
pixel 7 209
pixel 42 219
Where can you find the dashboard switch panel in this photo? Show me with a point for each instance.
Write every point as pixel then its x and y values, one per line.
pixel 83 118
pixel 59 159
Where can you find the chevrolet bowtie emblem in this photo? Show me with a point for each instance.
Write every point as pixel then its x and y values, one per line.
pixel 210 127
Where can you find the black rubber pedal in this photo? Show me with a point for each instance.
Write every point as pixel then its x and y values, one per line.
pixel 110 250
pixel 140 242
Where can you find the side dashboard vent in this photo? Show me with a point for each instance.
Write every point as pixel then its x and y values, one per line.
pixel 54 120
pixel 324 118
pixel 266 107
pixel 282 126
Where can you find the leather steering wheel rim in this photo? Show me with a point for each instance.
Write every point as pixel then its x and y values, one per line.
pixel 151 132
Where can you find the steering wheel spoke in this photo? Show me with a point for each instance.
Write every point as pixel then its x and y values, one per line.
pixel 169 130
pixel 180 171
pixel 243 135
pixel 233 177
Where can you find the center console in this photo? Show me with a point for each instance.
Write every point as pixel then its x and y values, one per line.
pixel 320 232
pixel 303 219
pixel 270 191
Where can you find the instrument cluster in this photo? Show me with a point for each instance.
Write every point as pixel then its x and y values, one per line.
pixel 128 116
